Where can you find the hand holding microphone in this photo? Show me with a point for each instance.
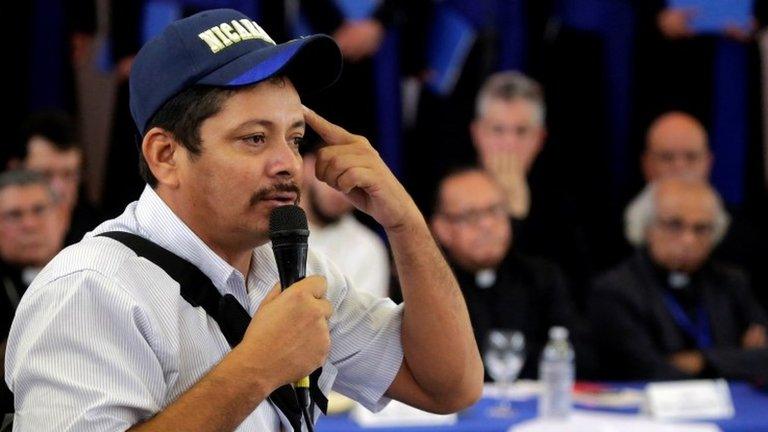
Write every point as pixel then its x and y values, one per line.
pixel 288 232
pixel 289 333
pixel 290 330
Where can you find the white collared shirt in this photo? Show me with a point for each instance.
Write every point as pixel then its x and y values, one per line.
pixel 358 251
pixel 102 339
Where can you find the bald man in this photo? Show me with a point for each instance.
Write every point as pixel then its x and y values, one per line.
pixel 670 311
pixel 676 146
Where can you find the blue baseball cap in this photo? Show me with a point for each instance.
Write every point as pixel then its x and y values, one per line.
pixel 224 48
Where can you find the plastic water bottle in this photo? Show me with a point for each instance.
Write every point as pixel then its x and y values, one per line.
pixel 556 374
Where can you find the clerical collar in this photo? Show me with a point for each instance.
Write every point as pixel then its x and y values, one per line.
pixel 28 274
pixel 678 280
pixel 674 280
pixel 485 278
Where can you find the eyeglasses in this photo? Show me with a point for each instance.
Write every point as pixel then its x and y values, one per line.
pixel 672 156
pixel 474 216
pixel 65 174
pixel 677 226
pixel 16 216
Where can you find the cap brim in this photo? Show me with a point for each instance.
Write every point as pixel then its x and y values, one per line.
pixel 312 63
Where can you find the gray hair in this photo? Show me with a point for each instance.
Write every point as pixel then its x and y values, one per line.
pixel 641 213
pixel 509 86
pixel 25 178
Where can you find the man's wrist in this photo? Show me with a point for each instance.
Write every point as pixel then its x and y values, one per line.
pixel 412 221
pixel 245 372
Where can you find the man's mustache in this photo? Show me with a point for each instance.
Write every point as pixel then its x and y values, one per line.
pixel 280 187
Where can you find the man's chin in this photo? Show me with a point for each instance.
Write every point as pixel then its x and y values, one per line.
pixel 488 262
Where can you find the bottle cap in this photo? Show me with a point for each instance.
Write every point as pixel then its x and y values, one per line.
pixel 558 333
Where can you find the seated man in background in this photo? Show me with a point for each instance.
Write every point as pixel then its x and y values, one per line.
pixel 358 251
pixel 31 233
pixel 50 146
pixel 502 288
pixel 670 312
pixel 677 146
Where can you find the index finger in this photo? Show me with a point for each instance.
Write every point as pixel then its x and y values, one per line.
pixel 330 133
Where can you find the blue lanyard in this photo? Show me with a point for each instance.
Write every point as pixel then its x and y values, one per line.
pixel 699 331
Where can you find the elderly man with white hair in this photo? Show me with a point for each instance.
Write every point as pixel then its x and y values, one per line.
pixel 669 311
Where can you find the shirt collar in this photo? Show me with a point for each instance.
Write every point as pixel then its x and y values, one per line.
pixel 158 223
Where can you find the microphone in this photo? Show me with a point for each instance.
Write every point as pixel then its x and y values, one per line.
pixel 288 232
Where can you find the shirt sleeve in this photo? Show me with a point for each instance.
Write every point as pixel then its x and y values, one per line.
pixel 372 270
pixel 366 347
pixel 80 358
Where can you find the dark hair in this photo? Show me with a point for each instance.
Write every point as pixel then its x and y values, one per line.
pixel 182 116
pixel 55 126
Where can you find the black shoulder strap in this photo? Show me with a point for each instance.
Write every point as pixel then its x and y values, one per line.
pixel 198 290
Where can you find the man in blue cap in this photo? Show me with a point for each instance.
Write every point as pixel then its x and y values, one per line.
pixel 107 339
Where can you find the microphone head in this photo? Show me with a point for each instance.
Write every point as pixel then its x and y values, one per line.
pixel 286 222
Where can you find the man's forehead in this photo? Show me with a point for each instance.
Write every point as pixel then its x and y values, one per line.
pixel 265 102
pixel 40 147
pixel 506 108
pixel 677 138
pixel 683 203
pixel 469 189
pixel 18 194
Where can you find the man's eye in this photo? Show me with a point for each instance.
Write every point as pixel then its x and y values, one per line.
pixel 255 139
pixel 298 142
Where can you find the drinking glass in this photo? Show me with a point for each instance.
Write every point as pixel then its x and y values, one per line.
pixel 504 357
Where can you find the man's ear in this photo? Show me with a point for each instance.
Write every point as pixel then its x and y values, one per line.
pixel 474 131
pixel 645 165
pixel 162 151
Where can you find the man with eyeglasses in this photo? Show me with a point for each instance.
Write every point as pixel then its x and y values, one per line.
pixel 677 146
pixel 51 147
pixel 670 311
pixel 31 233
pixel 502 288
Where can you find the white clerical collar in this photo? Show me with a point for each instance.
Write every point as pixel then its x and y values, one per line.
pixel 678 280
pixel 28 274
pixel 485 278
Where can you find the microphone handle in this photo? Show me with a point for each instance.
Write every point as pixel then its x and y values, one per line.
pixel 292 267
pixel 291 263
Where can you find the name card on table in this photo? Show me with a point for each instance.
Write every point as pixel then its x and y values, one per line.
pixel 689 400
pixel 400 414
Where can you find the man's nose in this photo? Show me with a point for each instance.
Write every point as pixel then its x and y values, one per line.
pixel 486 221
pixel 30 221
pixel 680 164
pixel 284 160
pixel 689 236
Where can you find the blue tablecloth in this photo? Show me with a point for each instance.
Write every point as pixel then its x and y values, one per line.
pixel 751 416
